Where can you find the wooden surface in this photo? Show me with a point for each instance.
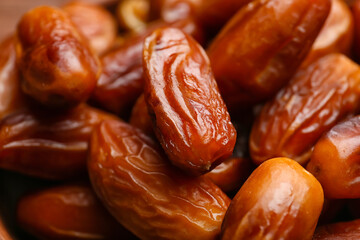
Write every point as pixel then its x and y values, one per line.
pixel 12 10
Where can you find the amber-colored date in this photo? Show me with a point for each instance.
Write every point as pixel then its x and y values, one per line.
pixel 190 118
pixel 231 173
pixel 58 68
pixel 4 235
pixel 145 193
pixel 336 35
pixel 260 48
pixel 280 200
pixel 121 82
pixel 68 212
pixel 335 160
pixel 11 97
pixel 48 146
pixel 314 101
pixel 96 24
pixel 339 231
pixel 140 117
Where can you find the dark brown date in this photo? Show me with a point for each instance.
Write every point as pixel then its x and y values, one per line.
pixel 96 24
pixel 335 160
pixel 189 116
pixel 260 48
pixel 68 212
pixel 280 200
pixel 339 231
pixel 312 103
pixel 58 68
pixel 121 82
pixel 48 146
pixel 145 193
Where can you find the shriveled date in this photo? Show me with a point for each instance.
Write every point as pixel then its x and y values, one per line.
pixel 190 118
pixel 68 212
pixel 261 47
pixel 58 68
pixel 145 193
pixel 314 101
pixel 335 160
pixel 52 147
pixel 280 200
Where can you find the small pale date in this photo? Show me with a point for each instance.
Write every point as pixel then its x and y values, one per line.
pixel 4 234
pixel 96 24
pixel 189 116
pixel 145 193
pixel 58 68
pixel 68 212
pixel 121 82
pixel 335 160
pixel 260 48
pixel 280 200
pixel 316 99
pixel 48 146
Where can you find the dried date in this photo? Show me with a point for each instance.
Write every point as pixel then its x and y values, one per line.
pixel 260 48
pixel 336 156
pixel 51 147
pixel 280 200
pixel 58 68
pixel 68 212
pixel 189 116
pixel 312 103
pixel 145 193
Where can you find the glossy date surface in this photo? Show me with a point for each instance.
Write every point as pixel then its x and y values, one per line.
pixel 316 99
pixel 50 147
pixel 58 68
pixel 280 200
pixel 260 48
pixel 189 116
pixel 145 193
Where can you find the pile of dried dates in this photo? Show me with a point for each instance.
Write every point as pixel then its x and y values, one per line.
pixel 184 119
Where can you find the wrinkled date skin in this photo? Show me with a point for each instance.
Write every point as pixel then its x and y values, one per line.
pixel 339 231
pixel 280 200
pixel 68 212
pixel 335 160
pixel 96 24
pixel 121 82
pixel 4 235
pixel 190 118
pixel 11 97
pixel 260 48
pixel 51 147
pixel 58 68
pixel 336 35
pixel 147 194
pixel 314 101
pixel 231 174
pixel 140 117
